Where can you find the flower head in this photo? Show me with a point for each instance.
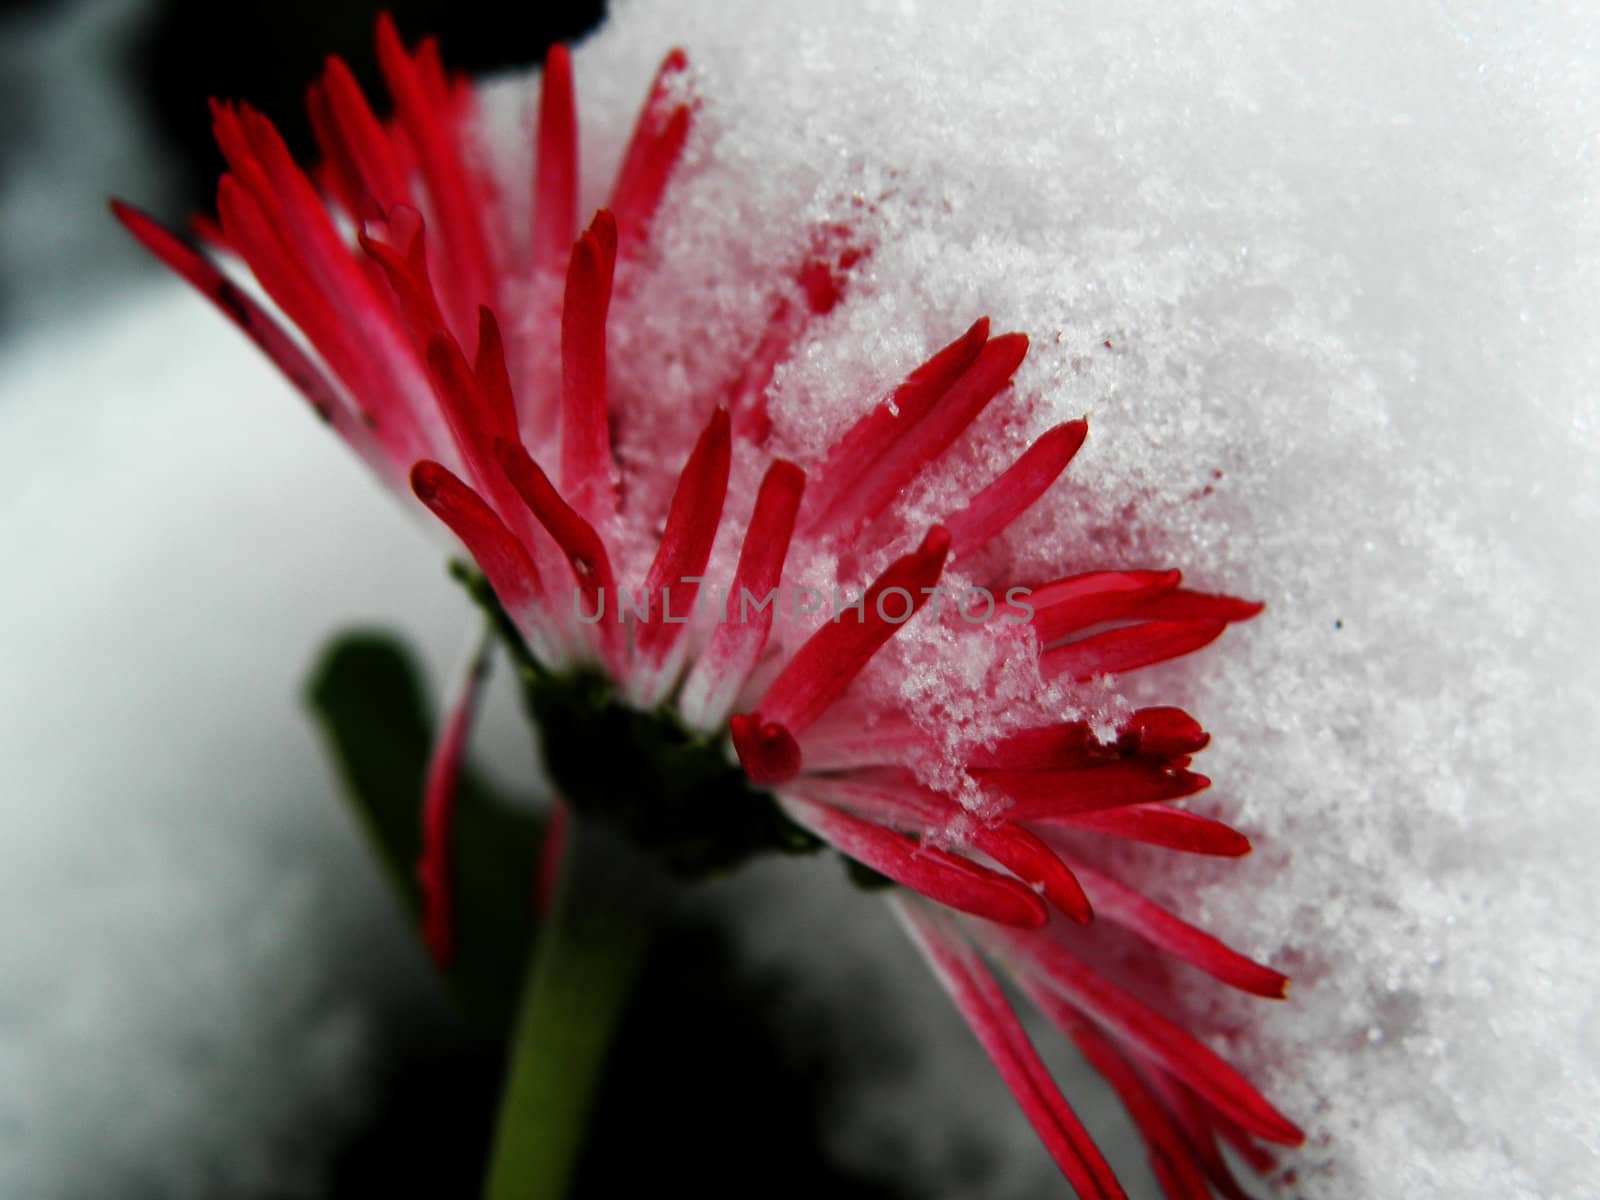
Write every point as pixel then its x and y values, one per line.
pixel 752 651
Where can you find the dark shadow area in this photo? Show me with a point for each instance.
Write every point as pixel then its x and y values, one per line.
pixel 708 1089
pixel 267 51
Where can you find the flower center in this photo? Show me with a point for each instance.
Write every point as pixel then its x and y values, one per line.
pixel 671 789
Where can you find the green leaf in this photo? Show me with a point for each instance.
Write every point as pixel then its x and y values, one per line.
pixel 369 701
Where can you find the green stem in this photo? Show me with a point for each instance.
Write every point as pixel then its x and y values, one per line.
pixel 591 947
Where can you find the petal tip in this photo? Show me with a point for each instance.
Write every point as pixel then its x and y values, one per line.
pixel 767 751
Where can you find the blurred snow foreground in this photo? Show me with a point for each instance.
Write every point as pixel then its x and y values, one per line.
pixel 1324 284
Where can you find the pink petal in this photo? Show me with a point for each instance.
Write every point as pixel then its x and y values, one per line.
pixel 1171 1158
pixel 276 219
pixel 737 641
pixel 1159 825
pixel 767 751
pixel 658 139
pixel 399 247
pixel 260 328
pixel 361 143
pixel 1184 605
pixel 477 426
pixel 1058 795
pixel 1134 911
pixel 1129 648
pixel 551 852
pixel 465 276
pixel 498 553
pixel 847 740
pixel 434 873
pixel 555 205
pixel 671 585
pixel 1069 605
pixel 583 548
pixel 867 439
pixel 833 656
pixel 953 881
pixel 893 797
pixel 1036 864
pixel 1074 986
pixel 917 444
pixel 1200 1124
pixel 1163 731
pixel 586 465
pixel 991 1019
pixel 1009 496
pixel 494 380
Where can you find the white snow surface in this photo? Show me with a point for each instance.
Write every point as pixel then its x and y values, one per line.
pixel 1345 259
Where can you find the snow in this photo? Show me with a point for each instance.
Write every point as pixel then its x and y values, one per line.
pixel 1345 259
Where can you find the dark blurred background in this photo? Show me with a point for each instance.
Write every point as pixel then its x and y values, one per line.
pixel 266 53
pixel 99 96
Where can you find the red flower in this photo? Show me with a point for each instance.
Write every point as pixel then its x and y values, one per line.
pixel 425 299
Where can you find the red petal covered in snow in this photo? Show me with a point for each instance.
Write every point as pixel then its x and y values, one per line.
pixel 866 440
pixel 555 205
pixel 953 881
pixel 1070 605
pixel 917 443
pixel 409 364
pixel 833 656
pixel 1009 496
pixel 1159 825
pixel 1129 648
pixel 586 463
pixel 1124 906
pixel 821 278
pixel 658 139
pixel 1072 987
pixel 984 1006
pixel 1056 795
pixel 673 583
pixel 741 633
